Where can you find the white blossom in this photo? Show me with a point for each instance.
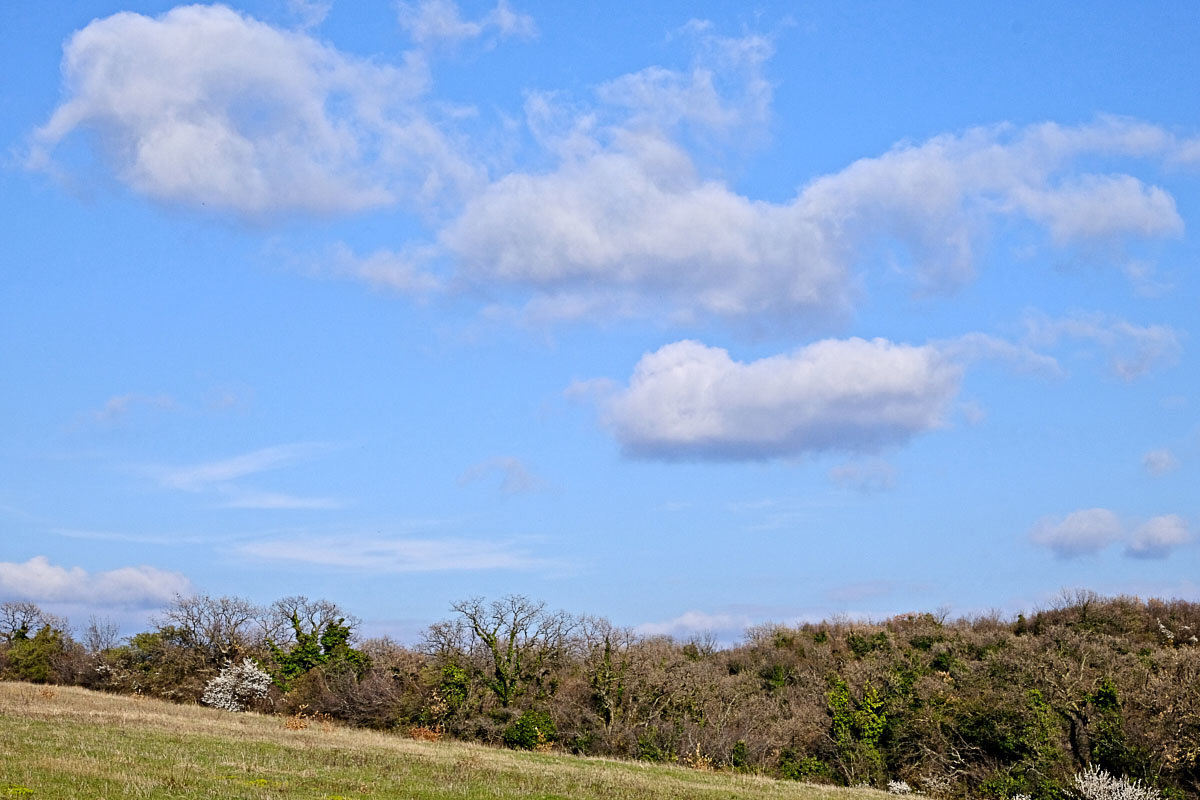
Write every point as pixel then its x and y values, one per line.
pixel 236 686
pixel 1096 784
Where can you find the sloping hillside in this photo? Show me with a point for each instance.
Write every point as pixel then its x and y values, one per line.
pixel 59 742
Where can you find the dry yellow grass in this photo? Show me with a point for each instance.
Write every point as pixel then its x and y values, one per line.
pixel 77 744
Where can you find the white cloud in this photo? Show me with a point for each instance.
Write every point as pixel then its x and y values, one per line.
pixel 971 347
pixel 405 271
pixel 724 91
pixel 40 581
pixel 206 107
pixel 1133 350
pixel 515 475
pixel 239 498
pixel 379 554
pixel 628 211
pixel 433 21
pixel 1160 462
pixel 1158 537
pixel 207 474
pixel 864 476
pixel 219 478
pixel 693 623
pixel 637 219
pixel 1079 533
pixel 119 406
pixel 688 400
pixel 310 13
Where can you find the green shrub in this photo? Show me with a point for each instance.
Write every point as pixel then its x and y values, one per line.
pixel 795 767
pixel 531 731
pixel 33 659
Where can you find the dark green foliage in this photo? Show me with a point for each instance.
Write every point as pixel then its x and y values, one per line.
pixel 33 659
pixel 980 708
pixel 531 730
pixel 325 646
pixel 454 686
pixel 796 767
pixel 856 729
pixel 739 756
pixel 862 644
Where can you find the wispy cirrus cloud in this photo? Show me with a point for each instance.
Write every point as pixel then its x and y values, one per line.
pixel 220 478
pixel 515 475
pixel 1133 350
pixel 119 406
pixel 430 22
pixel 401 554
pixel 206 474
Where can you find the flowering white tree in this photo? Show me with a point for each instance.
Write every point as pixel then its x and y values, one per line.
pixel 237 686
pixel 1096 784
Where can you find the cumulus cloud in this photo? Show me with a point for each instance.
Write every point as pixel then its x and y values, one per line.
pixel 628 210
pixel 1087 532
pixel 695 623
pixel 433 21
pixel 1159 462
pixel 1158 537
pixel 515 475
pixel 688 400
pixel 40 581
pixel 206 107
pixel 380 554
pixel 1079 533
pixel 1133 350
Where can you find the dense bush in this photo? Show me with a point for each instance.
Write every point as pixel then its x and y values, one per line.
pixel 1092 698
pixel 533 730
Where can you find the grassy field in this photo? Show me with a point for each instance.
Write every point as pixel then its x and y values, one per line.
pixel 72 743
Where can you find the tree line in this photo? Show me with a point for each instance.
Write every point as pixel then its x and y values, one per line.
pixel 983 706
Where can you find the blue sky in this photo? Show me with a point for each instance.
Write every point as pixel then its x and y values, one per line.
pixel 691 316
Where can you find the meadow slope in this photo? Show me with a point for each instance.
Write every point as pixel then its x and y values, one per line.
pixel 71 743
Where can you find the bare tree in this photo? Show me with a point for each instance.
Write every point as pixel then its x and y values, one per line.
pixel 223 628
pixel 520 642
pixel 101 634
pixel 19 619
pixel 311 617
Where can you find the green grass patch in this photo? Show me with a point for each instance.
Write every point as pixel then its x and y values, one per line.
pixel 78 744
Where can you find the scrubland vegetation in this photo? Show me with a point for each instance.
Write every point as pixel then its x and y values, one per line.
pixel 988 706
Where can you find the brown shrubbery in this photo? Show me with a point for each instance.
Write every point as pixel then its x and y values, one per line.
pixel 984 706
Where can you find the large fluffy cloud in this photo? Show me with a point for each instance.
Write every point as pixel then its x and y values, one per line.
pixel 627 210
pixel 689 400
pixel 40 581
pixel 204 106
